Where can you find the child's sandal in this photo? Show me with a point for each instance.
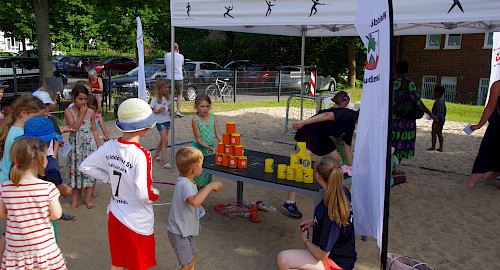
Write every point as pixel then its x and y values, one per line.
pixel 167 166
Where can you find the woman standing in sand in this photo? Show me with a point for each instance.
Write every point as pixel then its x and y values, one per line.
pixel 488 155
pixel 404 131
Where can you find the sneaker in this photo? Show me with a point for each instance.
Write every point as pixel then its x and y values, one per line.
pixel 179 114
pixel 292 210
pixel 67 217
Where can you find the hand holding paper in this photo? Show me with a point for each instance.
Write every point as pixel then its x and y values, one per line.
pixel 467 129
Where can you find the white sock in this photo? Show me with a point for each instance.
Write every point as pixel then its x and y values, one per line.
pixel 290 202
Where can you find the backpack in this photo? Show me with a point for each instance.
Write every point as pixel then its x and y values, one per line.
pixel 403 106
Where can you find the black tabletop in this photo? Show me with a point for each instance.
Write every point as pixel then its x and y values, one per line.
pixel 255 169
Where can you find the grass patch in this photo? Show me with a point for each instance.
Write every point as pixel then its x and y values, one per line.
pixel 455 112
pixel 219 106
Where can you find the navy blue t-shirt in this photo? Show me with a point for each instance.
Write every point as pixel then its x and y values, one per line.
pixel 52 172
pixel 330 237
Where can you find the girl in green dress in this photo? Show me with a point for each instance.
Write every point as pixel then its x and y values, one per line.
pixel 204 128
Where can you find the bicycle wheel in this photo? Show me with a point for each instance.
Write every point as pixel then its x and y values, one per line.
pixel 227 93
pixel 212 91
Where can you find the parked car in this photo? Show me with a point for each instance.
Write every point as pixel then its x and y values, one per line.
pixel 161 61
pixel 63 63
pixel 76 64
pixel 126 85
pixel 203 71
pixel 261 75
pixel 117 64
pixel 239 65
pixel 27 73
pixel 290 79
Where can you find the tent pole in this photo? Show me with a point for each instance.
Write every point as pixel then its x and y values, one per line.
pixel 388 171
pixel 172 95
pixel 302 71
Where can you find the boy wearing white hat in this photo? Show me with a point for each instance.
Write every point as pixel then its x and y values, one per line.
pixel 127 167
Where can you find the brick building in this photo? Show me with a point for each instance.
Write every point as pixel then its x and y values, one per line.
pixel 459 62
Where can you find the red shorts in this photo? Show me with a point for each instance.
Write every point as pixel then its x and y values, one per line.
pixel 128 248
pixel 331 265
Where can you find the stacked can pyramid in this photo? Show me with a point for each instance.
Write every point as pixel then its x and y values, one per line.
pixel 300 169
pixel 230 152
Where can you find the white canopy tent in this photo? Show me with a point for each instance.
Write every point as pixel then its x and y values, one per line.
pixel 333 17
pixel 316 18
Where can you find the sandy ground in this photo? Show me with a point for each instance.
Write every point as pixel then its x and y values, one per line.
pixel 430 218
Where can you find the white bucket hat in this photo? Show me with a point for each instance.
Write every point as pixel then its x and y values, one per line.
pixel 43 96
pixel 134 114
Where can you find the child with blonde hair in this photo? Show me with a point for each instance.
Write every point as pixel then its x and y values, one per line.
pixel 205 128
pixel 161 106
pixel 332 245
pixel 183 220
pixel 23 108
pixel 28 200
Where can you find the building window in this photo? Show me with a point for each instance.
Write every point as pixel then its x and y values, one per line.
pixel 428 84
pixel 433 42
pixel 488 41
pixel 450 87
pixel 453 41
pixel 482 93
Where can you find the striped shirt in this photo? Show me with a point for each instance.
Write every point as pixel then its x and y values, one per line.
pixel 30 242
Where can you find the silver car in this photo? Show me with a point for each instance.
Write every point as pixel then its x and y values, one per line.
pixel 290 79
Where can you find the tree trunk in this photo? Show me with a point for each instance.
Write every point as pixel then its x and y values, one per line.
pixel 351 62
pixel 229 46
pixel 43 38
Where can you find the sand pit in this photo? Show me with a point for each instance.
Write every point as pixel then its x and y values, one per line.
pixel 430 218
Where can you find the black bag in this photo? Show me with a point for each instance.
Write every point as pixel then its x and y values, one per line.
pixel 404 107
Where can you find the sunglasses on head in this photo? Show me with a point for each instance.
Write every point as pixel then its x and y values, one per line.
pixel 345 97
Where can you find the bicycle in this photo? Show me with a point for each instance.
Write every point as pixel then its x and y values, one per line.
pixel 220 89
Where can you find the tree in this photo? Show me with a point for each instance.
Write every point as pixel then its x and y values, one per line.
pixel 43 37
pixel 18 20
pixel 351 62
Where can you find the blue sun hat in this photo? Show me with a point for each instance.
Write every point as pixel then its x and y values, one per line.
pixel 134 114
pixel 42 128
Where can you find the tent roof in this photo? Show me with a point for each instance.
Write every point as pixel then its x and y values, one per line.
pixel 333 17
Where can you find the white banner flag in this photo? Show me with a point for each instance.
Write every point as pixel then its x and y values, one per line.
pixel 368 185
pixel 141 78
pixel 495 63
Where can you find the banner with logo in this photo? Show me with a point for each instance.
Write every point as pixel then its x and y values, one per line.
pixel 495 63
pixel 141 78
pixel 368 185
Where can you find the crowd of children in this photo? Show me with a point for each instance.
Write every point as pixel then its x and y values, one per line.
pixel 30 137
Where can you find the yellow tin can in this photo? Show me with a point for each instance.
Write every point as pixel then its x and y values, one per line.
pixel 299 174
pixel 281 171
pixel 290 173
pixel 294 160
pixel 269 165
pixel 308 176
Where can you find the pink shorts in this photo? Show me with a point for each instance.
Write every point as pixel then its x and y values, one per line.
pixel 128 248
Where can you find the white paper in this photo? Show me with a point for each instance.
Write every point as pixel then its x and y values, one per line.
pixel 428 117
pixel 50 149
pixel 65 148
pixel 467 129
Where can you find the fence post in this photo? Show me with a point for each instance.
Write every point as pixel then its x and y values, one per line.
pixel 279 85
pixel 14 70
pixel 235 81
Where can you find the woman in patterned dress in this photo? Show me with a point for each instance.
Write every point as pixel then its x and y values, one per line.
pixel 204 128
pixel 404 131
pixel 83 143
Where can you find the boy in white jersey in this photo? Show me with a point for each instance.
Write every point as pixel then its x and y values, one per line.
pixel 127 167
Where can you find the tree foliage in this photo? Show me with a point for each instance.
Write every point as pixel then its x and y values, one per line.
pixel 103 25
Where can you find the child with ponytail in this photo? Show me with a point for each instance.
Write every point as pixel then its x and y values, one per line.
pixel 26 199
pixel 332 245
pixel 23 108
